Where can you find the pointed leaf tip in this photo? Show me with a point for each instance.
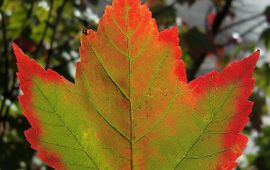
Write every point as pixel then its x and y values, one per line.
pixel 256 55
pixel 19 54
pixel 16 49
pixel 14 45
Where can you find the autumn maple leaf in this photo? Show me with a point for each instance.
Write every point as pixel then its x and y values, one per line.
pixel 131 106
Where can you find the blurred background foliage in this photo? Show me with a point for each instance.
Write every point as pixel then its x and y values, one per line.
pixel 212 33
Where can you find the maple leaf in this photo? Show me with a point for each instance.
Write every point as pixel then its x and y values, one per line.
pixel 131 106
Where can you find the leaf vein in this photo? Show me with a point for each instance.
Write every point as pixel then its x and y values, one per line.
pixel 106 72
pixel 203 130
pixel 153 78
pixel 69 130
pixel 113 44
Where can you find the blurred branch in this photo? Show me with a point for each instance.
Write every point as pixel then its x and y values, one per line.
pixel 29 14
pixel 243 34
pixel 4 122
pixel 240 22
pixel 252 28
pixel 221 16
pixel 45 29
pixel 215 28
pixel 5 60
pixel 54 28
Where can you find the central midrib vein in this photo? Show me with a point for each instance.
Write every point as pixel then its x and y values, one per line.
pixel 130 94
pixel 131 111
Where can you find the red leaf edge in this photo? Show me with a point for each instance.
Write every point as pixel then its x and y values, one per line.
pixel 27 69
pixel 242 71
pixel 243 110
